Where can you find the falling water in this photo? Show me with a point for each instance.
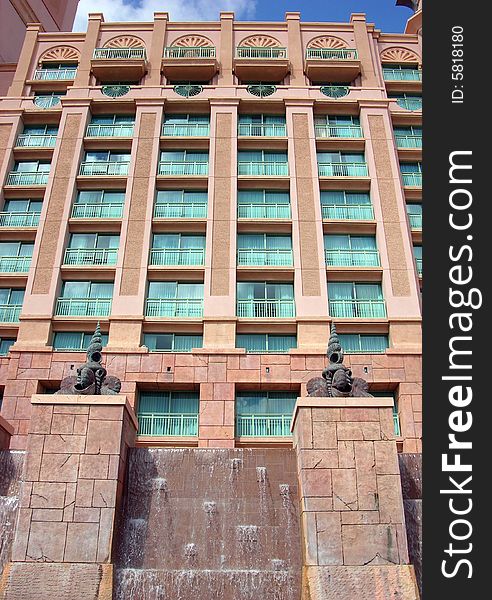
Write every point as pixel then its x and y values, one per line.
pixel 11 463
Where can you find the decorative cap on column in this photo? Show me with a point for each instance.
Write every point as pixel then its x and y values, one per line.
pixel 358 17
pixel 227 15
pixel 95 17
pixel 292 16
pixel 161 16
pixel 34 27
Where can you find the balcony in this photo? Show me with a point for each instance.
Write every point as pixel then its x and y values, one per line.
pixel 263 211
pixel 261 63
pixel 349 212
pixel 262 129
pixel 104 168
pixel 415 221
pixel 183 168
pixel 165 307
pixel 15 264
pixel 174 210
pixel 186 129
pixel 409 103
pixel 117 130
pixel 408 141
pixel 97 211
pixel 177 257
pixel 402 74
pixel 90 256
pixel 342 170
pixel 265 169
pixel 9 313
pixel 67 74
pixel 170 424
pixel 269 309
pixel 83 307
pixel 412 179
pixel 263 425
pixel 119 64
pixel 352 258
pixel 250 257
pixel 19 219
pixel 359 309
pixel 28 140
pixel 338 131
pixel 332 64
pixel 181 63
pixel 47 102
pixel 27 178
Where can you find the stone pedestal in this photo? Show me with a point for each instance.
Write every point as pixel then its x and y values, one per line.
pixel 73 482
pixel 352 516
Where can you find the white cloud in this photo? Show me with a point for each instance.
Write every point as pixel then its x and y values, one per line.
pixel 179 10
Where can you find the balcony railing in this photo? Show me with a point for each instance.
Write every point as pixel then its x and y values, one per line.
pixel 410 103
pixel 14 264
pixel 183 168
pixel 269 169
pixel 342 170
pixel 164 307
pixel 260 52
pixel 338 131
pixel 189 52
pixel 119 53
pixel 266 308
pixel 352 258
pixel 46 101
pixel 104 168
pixel 263 211
pixel 356 212
pixel 171 424
pixel 263 425
pixel 418 262
pixel 9 313
pixel 90 256
pixel 83 307
pixel 28 140
pixel 177 256
pixel 264 258
pixel 262 129
pixel 119 130
pixel 27 178
pixel 19 219
pixel 55 74
pixel 408 141
pixel 186 129
pixel 415 221
pixel 173 210
pixel 97 211
pixel 361 309
pixel 412 179
pixel 332 54
pixel 402 74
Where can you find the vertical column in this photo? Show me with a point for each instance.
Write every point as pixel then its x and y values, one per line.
pixel 368 74
pixel 217 407
pixel 400 285
pixel 307 230
pixel 25 59
pixel 10 125
pixel 220 260
pixel 157 48
pixel 131 271
pixel 295 50
pixel 226 48
pixel 83 77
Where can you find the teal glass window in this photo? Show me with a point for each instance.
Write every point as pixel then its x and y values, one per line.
pixel 172 342
pixel 259 343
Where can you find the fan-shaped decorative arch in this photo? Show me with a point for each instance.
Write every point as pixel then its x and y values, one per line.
pixel 327 42
pixel 60 54
pixel 260 41
pixel 192 41
pixel 124 41
pixel 399 55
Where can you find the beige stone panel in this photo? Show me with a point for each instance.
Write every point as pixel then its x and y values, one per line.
pixel 329 534
pixel 312 336
pixel 406 336
pixel 370 544
pixel 5 129
pixel 219 334
pixel 124 335
pixel 33 334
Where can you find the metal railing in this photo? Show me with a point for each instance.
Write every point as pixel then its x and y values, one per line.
pixel 9 313
pixel 189 52
pixel 264 258
pixel 263 425
pixel 418 262
pixel 262 129
pixel 117 130
pixel 274 169
pixel 332 53
pixel 15 264
pixel 415 221
pixel 186 129
pixel 27 178
pixel 352 258
pixel 266 308
pixel 342 170
pixel 46 101
pixel 356 212
pixel 365 309
pixel 119 53
pixel 167 424
pixel 90 256
pixel 183 168
pixel 29 140
pixel 402 74
pixel 174 210
pixel 338 131
pixel 166 307
pixel 408 141
pixel 55 74
pixel 263 211
pixel 104 168
pixel 412 179
pixel 410 103
pixel 177 256
pixel 83 307
pixel 260 52
pixel 19 219
pixel 97 211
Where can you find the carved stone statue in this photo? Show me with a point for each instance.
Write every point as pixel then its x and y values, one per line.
pixel 92 378
pixel 336 380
